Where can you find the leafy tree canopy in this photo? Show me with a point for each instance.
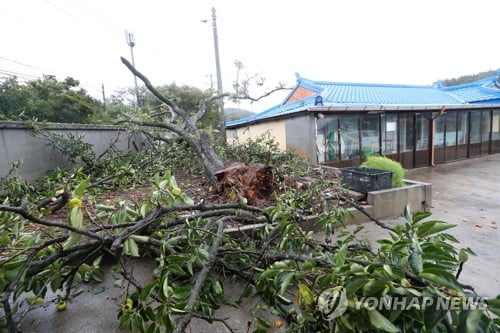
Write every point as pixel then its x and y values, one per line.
pixel 46 100
pixel 186 97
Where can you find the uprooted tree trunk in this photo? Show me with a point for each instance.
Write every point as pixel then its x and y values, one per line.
pixel 186 129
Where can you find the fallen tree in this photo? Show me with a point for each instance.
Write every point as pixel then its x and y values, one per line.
pixel 311 285
pixel 282 263
pixel 185 124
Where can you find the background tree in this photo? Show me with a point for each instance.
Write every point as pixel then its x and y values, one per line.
pixel 187 98
pixel 468 78
pixel 46 100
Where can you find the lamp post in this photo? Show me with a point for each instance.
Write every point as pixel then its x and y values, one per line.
pixel 130 38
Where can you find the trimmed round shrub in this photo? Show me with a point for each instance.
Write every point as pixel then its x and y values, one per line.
pixel 385 163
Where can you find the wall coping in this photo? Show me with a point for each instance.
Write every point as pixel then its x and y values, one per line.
pixel 58 126
pixel 409 184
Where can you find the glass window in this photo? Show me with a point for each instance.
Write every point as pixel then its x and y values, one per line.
pixel 422 131
pixel 439 126
pixel 405 132
pixel 495 135
pixel 451 128
pixel 485 127
pixel 349 140
pixel 462 126
pixel 326 139
pixel 389 134
pixel 475 128
pixel 370 132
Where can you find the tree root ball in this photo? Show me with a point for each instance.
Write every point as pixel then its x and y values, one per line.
pixel 254 182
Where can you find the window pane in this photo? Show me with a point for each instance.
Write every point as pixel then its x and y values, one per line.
pixel 349 138
pixel 389 134
pixel 326 139
pixel 475 128
pixel 405 132
pixel 370 131
pixel 485 127
pixel 495 135
pixel 451 128
pixel 422 131
pixel 462 127
pixel 439 131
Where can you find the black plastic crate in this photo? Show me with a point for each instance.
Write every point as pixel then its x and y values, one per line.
pixel 365 180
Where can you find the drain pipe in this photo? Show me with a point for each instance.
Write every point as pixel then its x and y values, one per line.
pixel 442 112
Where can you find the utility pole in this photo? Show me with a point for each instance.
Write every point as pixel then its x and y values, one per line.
pixel 131 42
pixel 222 118
pixel 103 98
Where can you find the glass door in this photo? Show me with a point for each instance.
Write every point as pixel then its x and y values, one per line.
pixel 350 141
pixel 422 149
pixel 450 153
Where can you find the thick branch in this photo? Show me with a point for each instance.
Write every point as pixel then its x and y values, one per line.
pixel 135 228
pixel 165 125
pixel 203 108
pixel 200 279
pixel 24 213
pixel 153 90
pixel 256 99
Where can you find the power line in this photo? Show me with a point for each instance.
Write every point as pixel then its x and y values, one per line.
pixel 23 64
pixel 67 13
pixel 8 72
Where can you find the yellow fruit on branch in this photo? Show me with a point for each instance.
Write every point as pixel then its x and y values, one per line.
pixel 75 202
pixel 62 305
pixel 176 191
pixel 129 304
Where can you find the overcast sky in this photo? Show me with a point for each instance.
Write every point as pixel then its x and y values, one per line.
pixel 407 42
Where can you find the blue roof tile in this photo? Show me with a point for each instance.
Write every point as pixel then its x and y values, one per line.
pixel 343 93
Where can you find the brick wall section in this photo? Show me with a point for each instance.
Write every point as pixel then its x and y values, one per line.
pixel 300 93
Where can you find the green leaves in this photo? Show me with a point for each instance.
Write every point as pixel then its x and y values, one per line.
pixel 341 255
pixel 80 189
pixel 380 322
pixel 305 293
pixel 418 216
pixel 415 261
pixel 130 247
pixel 432 227
pixel 441 277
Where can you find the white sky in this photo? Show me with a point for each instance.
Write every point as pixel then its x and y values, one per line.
pixel 411 42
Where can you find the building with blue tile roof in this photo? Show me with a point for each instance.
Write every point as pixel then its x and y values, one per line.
pixel 340 123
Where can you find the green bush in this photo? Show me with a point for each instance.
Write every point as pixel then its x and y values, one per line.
pixel 384 163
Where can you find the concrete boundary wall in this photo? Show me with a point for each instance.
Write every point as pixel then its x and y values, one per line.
pixel 17 142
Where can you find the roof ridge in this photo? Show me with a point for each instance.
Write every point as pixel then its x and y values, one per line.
pixel 391 85
pixel 491 79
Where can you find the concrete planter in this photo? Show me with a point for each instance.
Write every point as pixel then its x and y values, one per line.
pixel 391 202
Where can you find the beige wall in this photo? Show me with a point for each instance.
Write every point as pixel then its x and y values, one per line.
pixel 275 128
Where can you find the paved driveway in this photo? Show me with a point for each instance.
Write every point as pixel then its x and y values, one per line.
pixel 467 193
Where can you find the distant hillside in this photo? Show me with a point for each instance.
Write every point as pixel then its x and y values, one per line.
pixel 468 78
pixel 235 114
